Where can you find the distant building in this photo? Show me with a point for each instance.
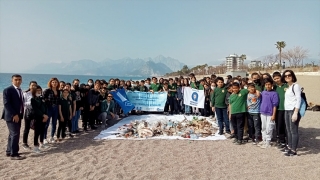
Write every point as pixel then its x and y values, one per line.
pixel 254 64
pixel 233 62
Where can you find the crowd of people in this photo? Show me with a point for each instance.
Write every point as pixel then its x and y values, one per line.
pixel 254 106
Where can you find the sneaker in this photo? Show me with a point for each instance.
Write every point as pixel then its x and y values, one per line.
pixel 265 146
pixel 36 150
pixel 235 140
pixel 232 136
pixel 228 132
pixel 52 140
pixel 45 141
pixel 281 146
pixel 238 142
pixel 44 146
pixel 290 153
pixel 26 147
pixel 261 143
pixel 255 142
pixel 285 150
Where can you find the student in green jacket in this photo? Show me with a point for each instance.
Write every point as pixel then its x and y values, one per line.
pixel 280 88
pixel 238 109
pixel 40 118
pixel 107 111
pixel 219 106
pixel 155 86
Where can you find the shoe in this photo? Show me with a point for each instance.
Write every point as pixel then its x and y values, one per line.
pixel 261 143
pixel 18 157
pixel 235 140
pixel 52 140
pixel 93 127
pixel 255 142
pixel 281 146
pixel 26 147
pixel 36 150
pixel 77 131
pixel 8 155
pixel 228 132
pixel 265 146
pixel 44 146
pixel 290 153
pixel 232 136
pixel 45 141
pixel 238 142
pixel 285 150
pixel 220 133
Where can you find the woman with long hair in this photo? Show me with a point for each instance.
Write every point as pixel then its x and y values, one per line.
pixel 28 113
pixel 186 107
pixel 292 117
pixel 51 97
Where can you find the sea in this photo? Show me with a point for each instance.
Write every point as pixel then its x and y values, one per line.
pixel 42 79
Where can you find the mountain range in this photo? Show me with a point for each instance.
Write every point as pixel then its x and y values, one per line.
pixel 157 66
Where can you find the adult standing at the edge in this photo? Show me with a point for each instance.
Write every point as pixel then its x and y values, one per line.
pixel 12 114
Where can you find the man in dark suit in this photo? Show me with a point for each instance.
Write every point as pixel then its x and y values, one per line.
pixel 12 114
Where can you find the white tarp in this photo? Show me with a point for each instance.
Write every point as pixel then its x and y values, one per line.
pixel 193 97
pixel 111 132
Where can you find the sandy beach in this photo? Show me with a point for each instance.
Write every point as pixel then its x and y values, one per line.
pixel 84 158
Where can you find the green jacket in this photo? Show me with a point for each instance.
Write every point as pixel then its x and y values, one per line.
pixel 104 106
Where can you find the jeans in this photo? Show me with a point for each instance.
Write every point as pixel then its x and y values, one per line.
pixel 222 116
pixel 254 122
pixel 267 126
pixel 53 113
pixel 186 109
pixel 281 126
pixel 238 125
pixel 75 121
pixel 292 130
pixel 173 103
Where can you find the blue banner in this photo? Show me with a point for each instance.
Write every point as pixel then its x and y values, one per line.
pixel 147 101
pixel 121 98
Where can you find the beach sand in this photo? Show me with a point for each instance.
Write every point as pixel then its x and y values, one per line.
pixel 84 158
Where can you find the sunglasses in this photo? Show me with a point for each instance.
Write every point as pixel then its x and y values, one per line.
pixel 287 75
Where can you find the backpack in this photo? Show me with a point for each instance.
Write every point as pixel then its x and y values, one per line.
pixel 303 104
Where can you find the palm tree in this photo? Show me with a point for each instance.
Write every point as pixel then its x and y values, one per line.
pixel 280 45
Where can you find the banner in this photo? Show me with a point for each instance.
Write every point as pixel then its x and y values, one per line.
pixel 121 98
pixel 147 101
pixel 193 97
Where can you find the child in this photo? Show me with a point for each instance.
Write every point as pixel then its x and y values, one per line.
pixel 64 113
pixel 40 118
pixel 238 109
pixel 280 88
pixel 166 107
pixel 268 110
pixel 253 103
pixel 179 97
pixel 219 106
pixel 229 88
pixel 172 99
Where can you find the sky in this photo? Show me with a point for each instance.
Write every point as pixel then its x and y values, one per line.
pixel 194 32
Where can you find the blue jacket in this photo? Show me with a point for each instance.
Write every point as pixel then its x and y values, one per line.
pixel 12 103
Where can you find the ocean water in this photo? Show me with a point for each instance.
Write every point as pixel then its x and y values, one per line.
pixel 42 79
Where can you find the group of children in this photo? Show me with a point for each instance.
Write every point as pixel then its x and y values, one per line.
pixel 241 106
pixel 256 106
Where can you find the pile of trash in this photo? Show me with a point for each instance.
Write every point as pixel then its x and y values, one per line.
pixel 192 129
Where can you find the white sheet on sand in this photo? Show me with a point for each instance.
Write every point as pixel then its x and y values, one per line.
pixel 111 132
